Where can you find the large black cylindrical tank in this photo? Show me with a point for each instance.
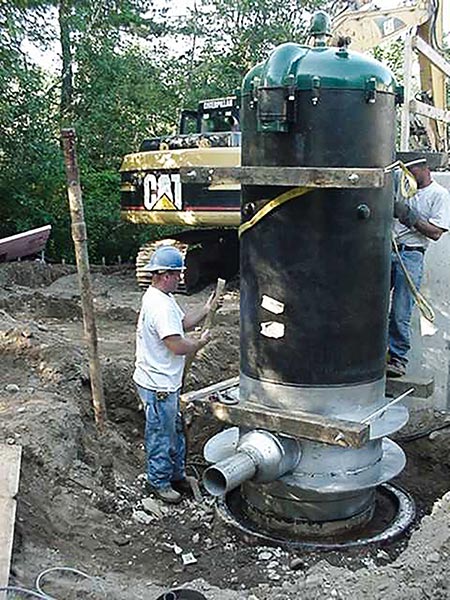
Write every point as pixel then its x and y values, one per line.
pixel 315 270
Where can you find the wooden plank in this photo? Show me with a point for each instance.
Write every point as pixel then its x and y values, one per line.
pixel 312 427
pixel 320 177
pixel 423 387
pixel 434 57
pixel 10 458
pixel 429 111
pixel 309 426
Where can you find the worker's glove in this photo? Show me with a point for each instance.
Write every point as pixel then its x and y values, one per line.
pixel 405 214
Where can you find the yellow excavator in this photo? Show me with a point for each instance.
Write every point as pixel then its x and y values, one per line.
pixel 154 192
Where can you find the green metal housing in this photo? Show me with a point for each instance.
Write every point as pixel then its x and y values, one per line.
pixel 291 68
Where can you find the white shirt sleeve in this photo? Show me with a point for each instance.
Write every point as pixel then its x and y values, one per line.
pixel 440 212
pixel 166 320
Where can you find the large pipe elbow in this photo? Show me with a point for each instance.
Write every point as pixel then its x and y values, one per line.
pixel 260 456
pixel 228 474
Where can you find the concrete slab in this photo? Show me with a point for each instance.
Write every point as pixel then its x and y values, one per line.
pixel 430 354
pixel 423 387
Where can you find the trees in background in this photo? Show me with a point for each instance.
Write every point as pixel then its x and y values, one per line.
pixel 126 68
pixel 226 38
pixel 28 153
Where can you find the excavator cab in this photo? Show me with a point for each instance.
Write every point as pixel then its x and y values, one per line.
pixel 217 115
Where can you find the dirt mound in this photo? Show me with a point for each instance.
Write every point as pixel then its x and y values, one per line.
pixel 81 493
pixel 32 273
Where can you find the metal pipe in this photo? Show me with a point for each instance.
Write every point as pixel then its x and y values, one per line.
pixel 260 455
pixel 229 473
pixel 383 409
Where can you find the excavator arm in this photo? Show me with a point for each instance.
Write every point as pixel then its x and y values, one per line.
pixel 367 28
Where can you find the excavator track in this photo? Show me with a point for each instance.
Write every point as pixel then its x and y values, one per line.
pixel 208 254
pixel 144 278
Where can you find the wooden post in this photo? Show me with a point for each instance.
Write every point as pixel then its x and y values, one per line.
pixel 79 236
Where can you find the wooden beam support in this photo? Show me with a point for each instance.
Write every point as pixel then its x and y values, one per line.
pixel 434 57
pixel 429 111
pixel 10 458
pixel 319 177
pixel 316 428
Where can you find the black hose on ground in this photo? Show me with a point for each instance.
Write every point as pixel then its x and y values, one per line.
pixel 421 434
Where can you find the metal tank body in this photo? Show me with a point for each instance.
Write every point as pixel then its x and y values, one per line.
pixel 315 278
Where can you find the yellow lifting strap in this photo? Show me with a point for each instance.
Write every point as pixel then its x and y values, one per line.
pixel 408 187
pixel 408 184
pixel 272 205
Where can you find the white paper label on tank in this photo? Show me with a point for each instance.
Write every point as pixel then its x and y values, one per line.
pixel 272 329
pixel 272 305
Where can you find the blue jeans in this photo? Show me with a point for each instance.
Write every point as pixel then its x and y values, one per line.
pixel 165 444
pixel 403 302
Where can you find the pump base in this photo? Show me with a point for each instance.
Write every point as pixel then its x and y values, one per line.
pixel 394 513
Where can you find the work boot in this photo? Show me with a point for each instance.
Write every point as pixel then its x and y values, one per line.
pixel 182 486
pixel 167 494
pixel 395 368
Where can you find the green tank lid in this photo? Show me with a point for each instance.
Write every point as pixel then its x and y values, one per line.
pixel 304 67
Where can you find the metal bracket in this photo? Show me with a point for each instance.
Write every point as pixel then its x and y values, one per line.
pixel 310 177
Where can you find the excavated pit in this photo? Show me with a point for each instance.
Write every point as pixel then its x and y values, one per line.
pixel 68 516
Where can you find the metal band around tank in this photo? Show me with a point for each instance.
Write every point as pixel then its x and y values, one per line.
pixel 282 502
pixel 317 470
pixel 349 402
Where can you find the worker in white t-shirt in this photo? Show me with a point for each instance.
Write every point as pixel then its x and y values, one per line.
pixel 424 217
pixel 161 347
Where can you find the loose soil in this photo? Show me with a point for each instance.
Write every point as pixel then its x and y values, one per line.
pixel 80 498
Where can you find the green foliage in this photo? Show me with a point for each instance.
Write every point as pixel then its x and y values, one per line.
pixel 392 56
pixel 109 237
pixel 128 69
pixel 227 38
pixel 120 99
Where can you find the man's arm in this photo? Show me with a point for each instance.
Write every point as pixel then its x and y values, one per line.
pixel 411 219
pixel 194 317
pixel 181 346
pixel 433 232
